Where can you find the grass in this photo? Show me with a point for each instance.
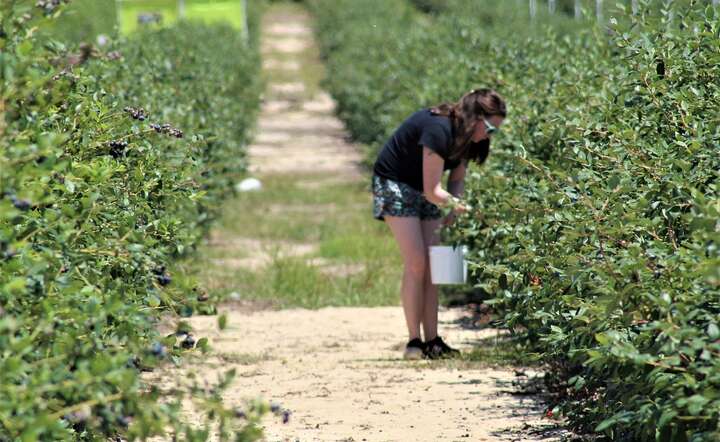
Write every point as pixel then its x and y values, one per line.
pixel 337 218
pixel 310 71
pixel 499 351
pixel 209 11
pixel 243 358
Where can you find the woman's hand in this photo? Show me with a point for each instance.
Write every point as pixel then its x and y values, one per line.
pixel 458 206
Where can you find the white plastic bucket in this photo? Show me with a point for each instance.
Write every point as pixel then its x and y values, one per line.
pixel 448 265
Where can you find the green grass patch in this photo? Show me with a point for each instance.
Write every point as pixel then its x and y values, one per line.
pixel 360 263
pixel 499 351
pixel 208 11
pixel 310 72
pixel 243 358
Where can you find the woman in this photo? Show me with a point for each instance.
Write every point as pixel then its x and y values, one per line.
pixel 408 195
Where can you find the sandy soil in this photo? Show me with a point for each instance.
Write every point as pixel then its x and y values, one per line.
pixel 339 372
pixel 339 369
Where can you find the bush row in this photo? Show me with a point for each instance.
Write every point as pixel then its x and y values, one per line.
pixel 83 21
pixel 595 227
pixel 114 160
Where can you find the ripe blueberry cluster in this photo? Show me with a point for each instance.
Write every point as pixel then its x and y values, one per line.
pixel 117 148
pixel 48 6
pixel 137 113
pixel 202 294
pixel 162 277
pixel 278 411
pixel 7 253
pixel 124 421
pixel 167 129
pixel 158 350
pixel 20 204
pixel 77 416
pixel 188 342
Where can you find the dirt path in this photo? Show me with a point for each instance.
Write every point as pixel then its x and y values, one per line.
pixel 339 369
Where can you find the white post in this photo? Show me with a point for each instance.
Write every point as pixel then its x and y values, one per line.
pixel 551 6
pixel 635 6
pixel 578 9
pixel 181 8
pixel 598 10
pixel 533 8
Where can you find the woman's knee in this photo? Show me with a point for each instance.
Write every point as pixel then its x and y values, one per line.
pixel 417 266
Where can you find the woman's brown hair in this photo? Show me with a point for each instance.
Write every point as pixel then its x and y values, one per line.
pixel 464 114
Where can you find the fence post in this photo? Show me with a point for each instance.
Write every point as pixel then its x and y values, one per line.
pixel 635 6
pixel 598 10
pixel 181 8
pixel 578 9
pixel 551 6
pixel 533 8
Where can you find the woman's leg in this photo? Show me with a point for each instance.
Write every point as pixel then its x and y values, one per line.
pixel 408 234
pixel 431 237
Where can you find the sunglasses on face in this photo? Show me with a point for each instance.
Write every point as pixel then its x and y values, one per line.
pixel 489 128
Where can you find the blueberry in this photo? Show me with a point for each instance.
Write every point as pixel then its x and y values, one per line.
pixel 286 416
pixel 240 414
pixel 188 342
pixel 660 67
pixel 136 113
pixel 123 421
pixel 133 362
pixel 21 204
pixel 164 279
pixel 158 350
pixel 117 148
pixel 274 408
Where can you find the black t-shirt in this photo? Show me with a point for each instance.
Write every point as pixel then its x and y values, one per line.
pixel 401 158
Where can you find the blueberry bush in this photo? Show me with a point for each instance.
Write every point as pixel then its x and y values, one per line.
pixel 113 162
pixel 82 20
pixel 595 227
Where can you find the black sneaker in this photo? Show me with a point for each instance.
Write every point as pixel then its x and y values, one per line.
pixel 436 348
pixel 414 349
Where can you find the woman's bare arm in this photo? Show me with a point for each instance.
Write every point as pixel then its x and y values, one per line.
pixel 433 166
pixel 456 180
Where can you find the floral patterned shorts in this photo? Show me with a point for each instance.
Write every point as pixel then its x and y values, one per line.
pixel 399 199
